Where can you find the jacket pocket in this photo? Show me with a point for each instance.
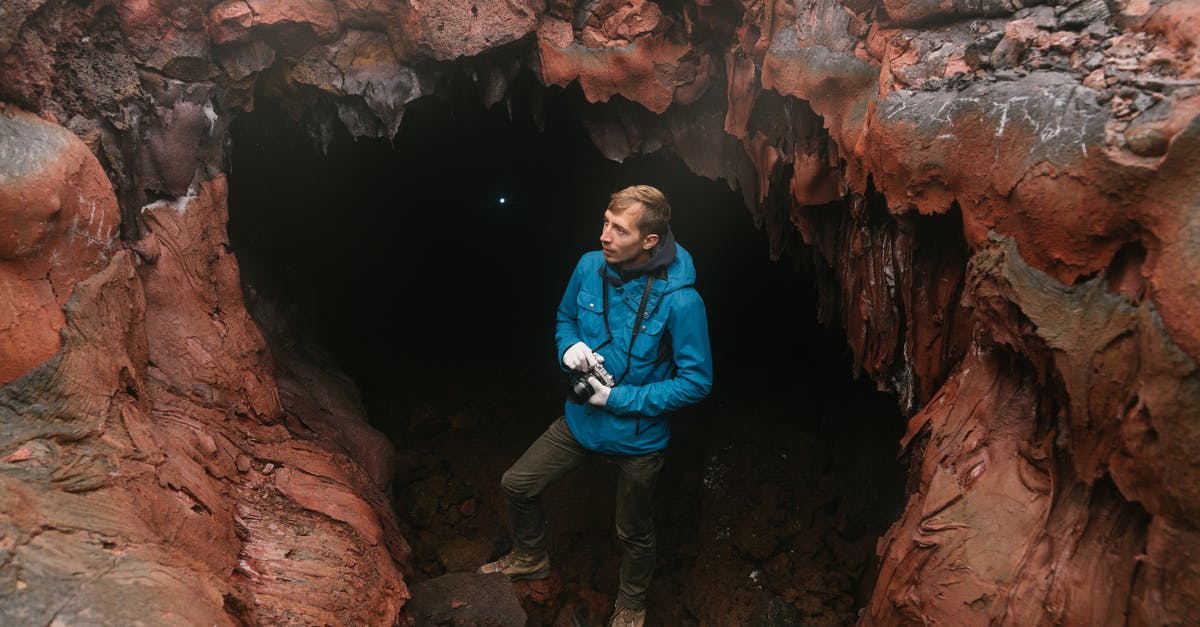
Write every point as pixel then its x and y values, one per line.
pixel 648 345
pixel 591 316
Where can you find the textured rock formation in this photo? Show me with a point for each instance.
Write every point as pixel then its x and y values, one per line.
pixel 999 201
pixel 155 468
pixel 57 227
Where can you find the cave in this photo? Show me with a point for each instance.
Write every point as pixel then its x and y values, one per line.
pixel 276 280
pixel 433 286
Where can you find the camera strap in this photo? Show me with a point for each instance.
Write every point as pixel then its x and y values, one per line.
pixel 637 323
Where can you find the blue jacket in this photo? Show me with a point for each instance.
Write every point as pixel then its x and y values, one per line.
pixel 670 364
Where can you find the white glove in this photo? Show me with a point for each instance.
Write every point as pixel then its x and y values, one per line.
pixel 580 357
pixel 599 398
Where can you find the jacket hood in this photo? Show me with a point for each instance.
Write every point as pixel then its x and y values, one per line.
pixel 667 255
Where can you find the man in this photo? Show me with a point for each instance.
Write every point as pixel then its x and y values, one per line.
pixel 631 308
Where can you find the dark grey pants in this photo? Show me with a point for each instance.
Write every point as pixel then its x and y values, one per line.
pixel 550 457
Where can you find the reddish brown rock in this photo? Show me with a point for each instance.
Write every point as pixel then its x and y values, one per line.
pixel 837 85
pixel 1175 22
pixel 188 289
pixel 741 78
pixel 1171 211
pixel 58 225
pixel 362 64
pixel 168 36
pixel 293 22
pixel 1081 521
pixel 154 414
pixel 814 178
pixel 984 496
pixel 207 338
pixel 449 30
pixel 898 285
pixel 615 23
pixel 913 12
pixel 1018 36
pixel 12 17
pixel 289 27
pixel 79 546
pixel 648 70
pixel 230 20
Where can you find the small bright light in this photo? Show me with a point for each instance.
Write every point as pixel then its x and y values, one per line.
pixel 502 200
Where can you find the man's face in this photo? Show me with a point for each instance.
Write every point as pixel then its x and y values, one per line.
pixel 622 240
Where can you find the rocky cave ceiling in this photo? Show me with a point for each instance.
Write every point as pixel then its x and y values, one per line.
pixel 157 444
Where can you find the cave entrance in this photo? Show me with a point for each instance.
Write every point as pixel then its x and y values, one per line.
pixel 428 270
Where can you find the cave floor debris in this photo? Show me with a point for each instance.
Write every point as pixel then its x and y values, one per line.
pixel 768 507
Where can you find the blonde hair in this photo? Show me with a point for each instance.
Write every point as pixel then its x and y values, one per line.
pixel 656 214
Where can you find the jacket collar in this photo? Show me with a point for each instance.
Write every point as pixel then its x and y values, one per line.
pixel 661 256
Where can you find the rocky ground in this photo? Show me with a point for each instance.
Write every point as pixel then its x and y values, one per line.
pixel 769 505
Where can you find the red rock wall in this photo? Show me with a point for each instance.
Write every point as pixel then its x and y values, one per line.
pixel 158 465
pixel 1000 205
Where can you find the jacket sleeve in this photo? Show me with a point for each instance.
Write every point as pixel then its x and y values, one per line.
pixel 688 325
pixel 566 327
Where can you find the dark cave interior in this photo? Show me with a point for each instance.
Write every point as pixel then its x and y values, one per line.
pixel 429 268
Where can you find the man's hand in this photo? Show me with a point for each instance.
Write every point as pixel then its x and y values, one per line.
pixel 580 357
pixel 599 398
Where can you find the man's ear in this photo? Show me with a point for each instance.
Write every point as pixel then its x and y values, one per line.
pixel 650 241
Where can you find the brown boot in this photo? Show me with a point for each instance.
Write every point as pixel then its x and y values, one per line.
pixel 519 566
pixel 627 617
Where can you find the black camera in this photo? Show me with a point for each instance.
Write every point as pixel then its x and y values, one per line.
pixel 580 390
